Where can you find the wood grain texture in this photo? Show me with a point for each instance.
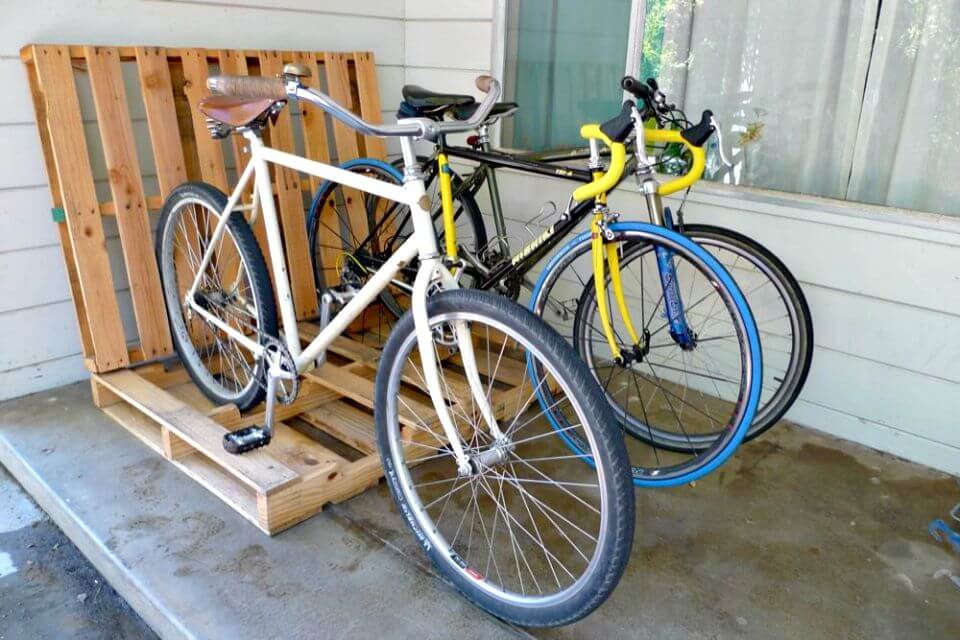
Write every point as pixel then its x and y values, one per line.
pixel 290 198
pixel 369 94
pixel 126 187
pixel 68 147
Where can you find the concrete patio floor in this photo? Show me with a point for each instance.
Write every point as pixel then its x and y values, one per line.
pixel 799 536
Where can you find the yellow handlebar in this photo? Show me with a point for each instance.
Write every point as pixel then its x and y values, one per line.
pixel 618 160
pixel 696 169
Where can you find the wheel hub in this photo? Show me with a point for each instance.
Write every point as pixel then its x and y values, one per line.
pixel 494 456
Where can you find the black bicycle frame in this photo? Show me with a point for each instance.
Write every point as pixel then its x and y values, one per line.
pixel 489 160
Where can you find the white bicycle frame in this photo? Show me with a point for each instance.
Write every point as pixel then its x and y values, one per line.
pixel 422 244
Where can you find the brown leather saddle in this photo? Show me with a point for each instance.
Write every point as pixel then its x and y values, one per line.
pixel 237 111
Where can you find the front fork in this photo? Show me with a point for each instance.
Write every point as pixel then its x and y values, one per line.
pixel 605 251
pixel 431 270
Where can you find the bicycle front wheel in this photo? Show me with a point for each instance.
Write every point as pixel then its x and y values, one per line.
pixel 530 534
pixel 688 404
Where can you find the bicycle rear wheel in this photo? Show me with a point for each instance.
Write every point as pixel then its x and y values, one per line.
pixel 352 234
pixel 235 288
pixel 530 534
pixel 781 313
pixel 687 408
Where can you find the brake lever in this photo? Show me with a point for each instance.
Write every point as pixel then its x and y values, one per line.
pixel 719 132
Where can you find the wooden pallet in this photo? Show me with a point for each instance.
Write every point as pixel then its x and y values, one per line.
pixel 134 380
pixel 324 446
pixel 170 84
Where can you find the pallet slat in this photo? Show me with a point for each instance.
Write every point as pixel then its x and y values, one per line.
pixel 157 89
pixel 369 92
pixel 196 70
pixel 123 171
pixel 288 194
pixel 257 469
pixel 75 180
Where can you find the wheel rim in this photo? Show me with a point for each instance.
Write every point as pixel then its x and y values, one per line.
pixel 225 290
pixel 517 561
pixel 667 455
pixel 346 235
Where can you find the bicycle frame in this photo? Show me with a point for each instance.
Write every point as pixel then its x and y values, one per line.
pixel 422 244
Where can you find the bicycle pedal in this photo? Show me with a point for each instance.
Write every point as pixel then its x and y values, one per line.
pixel 246 439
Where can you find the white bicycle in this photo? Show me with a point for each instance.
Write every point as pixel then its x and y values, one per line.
pixel 507 514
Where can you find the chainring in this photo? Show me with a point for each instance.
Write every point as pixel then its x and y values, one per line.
pixel 287 388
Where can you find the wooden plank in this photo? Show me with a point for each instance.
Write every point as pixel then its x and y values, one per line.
pixel 233 62
pixel 142 427
pixel 312 118
pixel 157 89
pixel 338 86
pixel 413 412
pixel 69 261
pixel 257 469
pixel 75 180
pixel 346 423
pixel 167 141
pixel 174 446
pixel 301 453
pixel 290 198
pixel 196 70
pixel 369 92
pixel 126 187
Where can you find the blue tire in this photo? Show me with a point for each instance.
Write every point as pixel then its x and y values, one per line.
pixel 717 450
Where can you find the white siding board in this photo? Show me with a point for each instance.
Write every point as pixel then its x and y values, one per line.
pixel 455 45
pixel 461 9
pixel 117 22
pixel 25 219
pixel 21 163
pixel 15 102
pixel 41 375
pixel 368 8
pixel 877 436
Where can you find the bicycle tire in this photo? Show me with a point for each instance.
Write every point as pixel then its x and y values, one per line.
pixel 242 240
pixel 798 312
pixel 714 451
pixel 391 298
pixel 607 559
pixel 467 202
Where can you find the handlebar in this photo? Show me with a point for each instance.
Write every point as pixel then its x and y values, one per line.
pixel 290 87
pixel 602 182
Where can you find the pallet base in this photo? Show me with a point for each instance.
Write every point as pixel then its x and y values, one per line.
pixel 324 444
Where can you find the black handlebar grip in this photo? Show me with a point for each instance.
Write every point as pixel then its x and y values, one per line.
pixel 634 86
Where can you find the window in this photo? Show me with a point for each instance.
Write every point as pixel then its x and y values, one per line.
pixel 564 61
pixel 849 99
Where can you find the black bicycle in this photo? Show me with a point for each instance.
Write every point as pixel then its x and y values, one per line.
pixel 489 262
